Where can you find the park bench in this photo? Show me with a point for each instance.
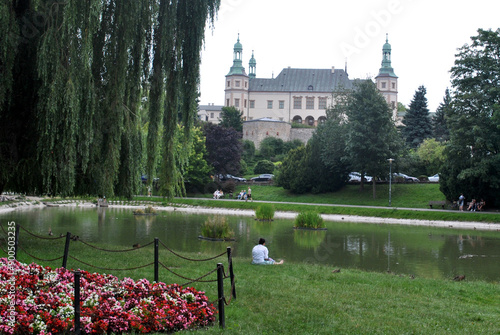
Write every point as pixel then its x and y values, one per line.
pixel 437 203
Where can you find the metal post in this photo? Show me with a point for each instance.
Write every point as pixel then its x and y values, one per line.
pixel 390 180
pixel 16 243
pixel 77 302
pixel 220 294
pixel 231 272
pixel 156 259
pixel 66 250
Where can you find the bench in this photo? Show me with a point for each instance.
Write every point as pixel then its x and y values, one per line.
pixel 437 203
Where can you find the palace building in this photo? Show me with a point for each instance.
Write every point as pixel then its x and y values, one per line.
pixel 297 95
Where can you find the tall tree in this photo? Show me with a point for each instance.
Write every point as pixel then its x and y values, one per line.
pixel 231 117
pixel 417 120
pixel 371 134
pixel 439 126
pixel 73 76
pixel 473 153
pixel 224 148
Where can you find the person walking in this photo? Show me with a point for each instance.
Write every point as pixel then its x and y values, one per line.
pixel 461 200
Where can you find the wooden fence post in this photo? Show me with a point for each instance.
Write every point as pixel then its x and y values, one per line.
pixel 231 272
pixel 77 303
pixel 220 294
pixel 66 250
pixel 156 259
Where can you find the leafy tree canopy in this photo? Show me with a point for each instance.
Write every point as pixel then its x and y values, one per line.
pixel 224 148
pixel 231 117
pixel 473 163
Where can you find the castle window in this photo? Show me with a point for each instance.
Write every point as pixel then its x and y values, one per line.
pixel 297 102
pixel 227 102
pixel 282 104
pixel 383 84
pixel 228 83
pixel 246 84
pixel 236 102
pixel 237 83
pixel 269 104
pixel 321 103
pixel 211 115
pixel 310 87
pixel 393 86
pixel 252 103
pixel 310 103
pixel 245 103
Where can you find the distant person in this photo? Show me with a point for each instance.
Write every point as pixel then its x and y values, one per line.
pixel 461 200
pixel 249 193
pixel 472 206
pixel 260 254
pixel 481 205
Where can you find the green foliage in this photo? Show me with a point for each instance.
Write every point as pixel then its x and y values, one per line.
pixel 248 153
pixel 264 166
pixel 270 147
pixel 417 121
pixel 231 117
pixel 309 219
pixel 293 174
pixel 79 85
pixel 197 172
pixel 473 164
pixel 439 127
pixel 216 227
pixel 265 212
pixel 431 154
pixel 371 135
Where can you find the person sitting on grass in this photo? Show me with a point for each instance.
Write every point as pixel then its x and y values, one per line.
pixel 260 254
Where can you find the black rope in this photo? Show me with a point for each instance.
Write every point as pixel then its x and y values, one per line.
pixel 191 259
pixel 42 237
pixel 110 269
pixel 39 259
pixel 110 250
pixel 191 280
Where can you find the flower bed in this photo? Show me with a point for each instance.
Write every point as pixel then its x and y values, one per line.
pixel 44 300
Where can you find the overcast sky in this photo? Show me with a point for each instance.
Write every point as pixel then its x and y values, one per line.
pixel 424 35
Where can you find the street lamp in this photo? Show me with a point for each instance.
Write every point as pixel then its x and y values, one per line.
pixel 390 179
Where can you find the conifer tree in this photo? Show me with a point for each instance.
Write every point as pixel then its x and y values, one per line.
pixel 417 120
pixel 439 127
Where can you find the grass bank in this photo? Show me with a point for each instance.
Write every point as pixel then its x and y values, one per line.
pixel 308 299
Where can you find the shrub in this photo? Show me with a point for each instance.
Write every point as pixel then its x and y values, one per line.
pixel 309 219
pixel 149 210
pixel 264 166
pixel 265 212
pixel 216 227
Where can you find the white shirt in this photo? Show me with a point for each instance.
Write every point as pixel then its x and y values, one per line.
pixel 259 254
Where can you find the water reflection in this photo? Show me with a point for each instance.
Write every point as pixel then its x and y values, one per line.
pixel 421 251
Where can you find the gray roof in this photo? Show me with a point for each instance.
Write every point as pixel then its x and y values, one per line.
pixel 303 80
pixel 210 107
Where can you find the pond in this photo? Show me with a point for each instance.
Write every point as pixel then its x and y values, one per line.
pixel 407 250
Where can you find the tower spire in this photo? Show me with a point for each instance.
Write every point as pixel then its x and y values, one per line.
pixel 237 67
pixel 252 64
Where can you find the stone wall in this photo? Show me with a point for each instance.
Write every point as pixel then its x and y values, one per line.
pixel 302 134
pixel 258 130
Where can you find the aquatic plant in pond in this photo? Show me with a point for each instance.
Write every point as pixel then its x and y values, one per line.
pixel 147 210
pixel 44 303
pixel 310 220
pixel 265 212
pixel 216 227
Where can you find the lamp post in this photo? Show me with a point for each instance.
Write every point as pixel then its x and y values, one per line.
pixel 390 179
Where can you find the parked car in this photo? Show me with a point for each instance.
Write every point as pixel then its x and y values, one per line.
pixel 356 177
pixel 263 177
pixel 224 177
pixel 435 178
pixel 407 178
pixel 240 179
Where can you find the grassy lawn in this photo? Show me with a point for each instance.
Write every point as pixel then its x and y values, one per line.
pixel 309 299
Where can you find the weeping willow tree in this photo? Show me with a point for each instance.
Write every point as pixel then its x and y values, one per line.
pixel 178 38
pixel 74 76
